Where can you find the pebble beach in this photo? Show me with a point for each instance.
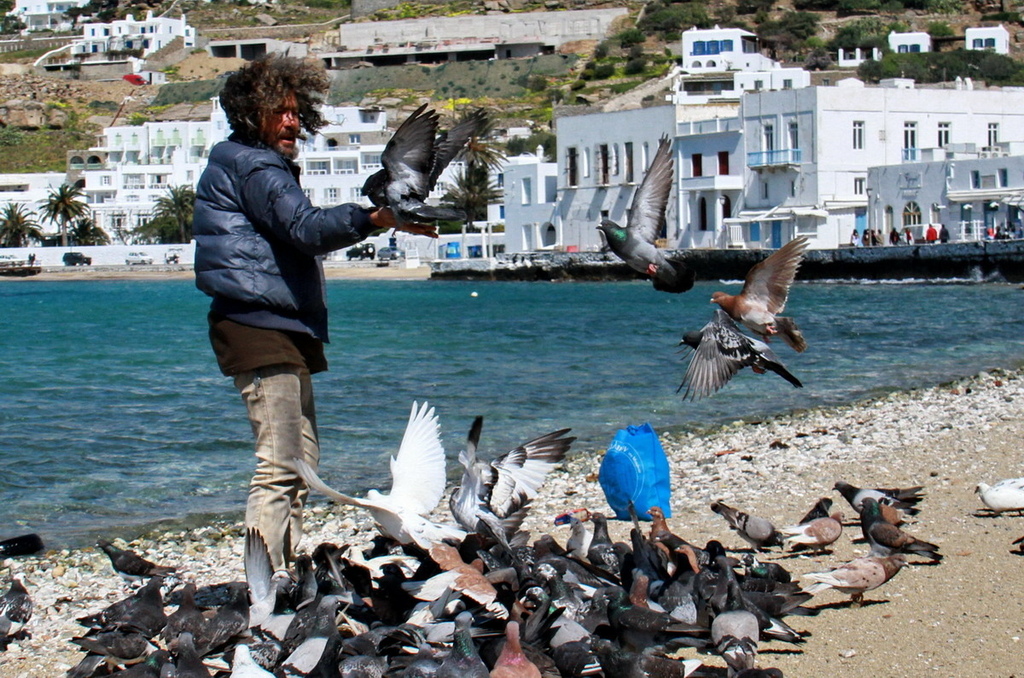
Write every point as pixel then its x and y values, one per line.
pixel 964 616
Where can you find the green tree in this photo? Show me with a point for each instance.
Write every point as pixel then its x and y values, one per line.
pixel 63 205
pixel 472 192
pixel 18 227
pixel 86 232
pixel 178 205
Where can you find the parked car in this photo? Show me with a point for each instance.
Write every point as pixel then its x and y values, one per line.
pixel 390 254
pixel 134 258
pixel 172 256
pixel 364 250
pixel 76 259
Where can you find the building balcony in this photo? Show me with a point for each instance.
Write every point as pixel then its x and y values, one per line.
pixel 719 182
pixel 781 158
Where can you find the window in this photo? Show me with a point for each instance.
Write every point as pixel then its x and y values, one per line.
pixel 105 180
pixel 702 214
pixel 727 45
pixel 911 214
pixel 614 160
pixel 858 185
pixel 993 133
pixel 768 138
pixel 723 162
pixel 975 179
pixel 627 158
pixel 346 166
pixel 792 188
pixel 764 190
pixel 758 85
pixel 354 138
pixel 499 179
pixel 318 167
pixel 697 165
pixel 331 195
pixel 903 49
pixel 978 43
pixel 990 43
pixel 355 193
pixel 794 135
pixel 943 139
pixel 527 191
pixel 603 164
pixel 700 47
pixel 787 83
pixel 308 192
pixel 910 135
pixel 570 166
pixel 858 134
pixel 1004 178
pixel 586 163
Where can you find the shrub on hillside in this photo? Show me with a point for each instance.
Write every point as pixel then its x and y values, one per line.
pixel 630 37
pixel 635 66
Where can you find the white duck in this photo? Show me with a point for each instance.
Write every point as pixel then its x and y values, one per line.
pixel 417 483
pixel 1006 495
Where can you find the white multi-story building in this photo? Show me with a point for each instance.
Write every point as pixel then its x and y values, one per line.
pixel 719 64
pixel 45 15
pixel 530 188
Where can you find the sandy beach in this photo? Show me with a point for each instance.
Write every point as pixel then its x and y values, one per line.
pixel 964 616
pixel 332 270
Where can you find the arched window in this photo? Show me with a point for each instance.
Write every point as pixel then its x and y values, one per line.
pixel 696 64
pixel 76 162
pixel 888 218
pixel 547 236
pixel 935 213
pixel 912 214
pixel 726 207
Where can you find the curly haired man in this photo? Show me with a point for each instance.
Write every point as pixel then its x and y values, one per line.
pixel 258 248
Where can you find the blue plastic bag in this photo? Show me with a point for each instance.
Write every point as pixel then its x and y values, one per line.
pixel 635 469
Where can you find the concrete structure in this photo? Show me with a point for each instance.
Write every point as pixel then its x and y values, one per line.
pixel 530 188
pixel 973 192
pixel 253 48
pixel 45 15
pixel 461 38
pixel 992 38
pixel 109 50
pixel 913 42
pixel 857 57
pixel 710 165
pixel 713 50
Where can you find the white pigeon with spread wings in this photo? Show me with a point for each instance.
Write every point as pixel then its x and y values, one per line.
pixel 417 484
pixel 635 244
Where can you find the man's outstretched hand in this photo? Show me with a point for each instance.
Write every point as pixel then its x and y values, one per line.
pixel 384 218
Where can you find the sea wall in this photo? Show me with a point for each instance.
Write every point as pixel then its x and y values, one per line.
pixel 1001 260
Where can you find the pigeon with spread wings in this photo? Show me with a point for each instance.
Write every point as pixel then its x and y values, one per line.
pixel 764 295
pixel 417 484
pixel 720 350
pixel 635 244
pixel 413 160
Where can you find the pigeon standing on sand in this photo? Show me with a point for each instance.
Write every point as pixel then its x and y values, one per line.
pixel 764 295
pixel 413 159
pixel 903 498
pixel 720 350
pixel 858 575
pixel 886 539
pixel 15 611
pixel 417 483
pixel 132 567
pixel 816 534
pixel 758 532
pixel 635 244
pixel 1005 495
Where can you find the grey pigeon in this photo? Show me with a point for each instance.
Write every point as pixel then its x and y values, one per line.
pixel 735 634
pixel 635 244
pixel 15 611
pixel 143 612
pixel 903 498
pixel 413 159
pixel 188 662
pixel 758 532
pixel 463 661
pixel 131 566
pixel 493 497
pixel 242 665
pixel 186 619
pixel 720 350
pixel 309 652
pixel 118 648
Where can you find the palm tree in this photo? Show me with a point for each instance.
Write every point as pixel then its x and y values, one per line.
pixel 178 205
pixel 64 205
pixel 18 227
pixel 86 232
pixel 472 192
pixel 479 152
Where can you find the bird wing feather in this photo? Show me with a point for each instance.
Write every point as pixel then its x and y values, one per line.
pixel 769 280
pixel 418 472
pixel 408 155
pixel 647 211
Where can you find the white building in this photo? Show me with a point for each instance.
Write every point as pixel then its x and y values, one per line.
pixel 970 190
pixel 912 42
pixel 45 15
pixel 992 38
pixel 530 187
pixel 29 190
pixel 719 64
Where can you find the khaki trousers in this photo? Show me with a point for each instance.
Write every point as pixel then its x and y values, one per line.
pixel 279 400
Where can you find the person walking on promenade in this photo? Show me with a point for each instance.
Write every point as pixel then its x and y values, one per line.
pixel 258 246
pixel 894 237
pixel 943 233
pixel 931 235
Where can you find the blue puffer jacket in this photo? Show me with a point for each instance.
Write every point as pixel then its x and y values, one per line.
pixel 258 238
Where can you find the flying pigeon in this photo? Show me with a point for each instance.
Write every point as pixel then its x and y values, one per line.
pixel 720 350
pixel 758 532
pixel 417 483
pixel 1005 495
pixel 413 159
pixel 634 244
pixel 493 497
pixel 764 295
pixel 858 575
pixel 132 567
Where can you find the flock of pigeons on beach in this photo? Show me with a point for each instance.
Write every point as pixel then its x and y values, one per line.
pixel 480 598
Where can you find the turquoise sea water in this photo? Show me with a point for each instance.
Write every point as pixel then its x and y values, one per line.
pixel 113 415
